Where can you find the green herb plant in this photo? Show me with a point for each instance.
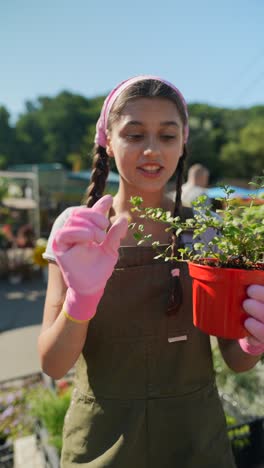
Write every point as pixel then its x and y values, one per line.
pixel 50 408
pixel 237 239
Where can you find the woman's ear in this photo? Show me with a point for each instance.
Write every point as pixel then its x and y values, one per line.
pixel 108 147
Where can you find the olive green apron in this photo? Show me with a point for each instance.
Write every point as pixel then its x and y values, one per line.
pixel 145 394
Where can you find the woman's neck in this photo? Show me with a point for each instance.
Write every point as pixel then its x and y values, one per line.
pixel 122 206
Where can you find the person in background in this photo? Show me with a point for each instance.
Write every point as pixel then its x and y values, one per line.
pixel 196 184
pixel 25 236
pixel 8 238
pixel 144 391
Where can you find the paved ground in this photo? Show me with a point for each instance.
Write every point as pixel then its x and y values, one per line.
pixel 21 304
pixel 20 319
pixel 18 353
pixel 26 453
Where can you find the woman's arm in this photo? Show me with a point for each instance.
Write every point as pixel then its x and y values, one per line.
pixel 243 354
pixel 61 340
pixel 86 254
pixel 234 357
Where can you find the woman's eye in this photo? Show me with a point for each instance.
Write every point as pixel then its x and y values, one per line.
pixel 168 137
pixel 135 136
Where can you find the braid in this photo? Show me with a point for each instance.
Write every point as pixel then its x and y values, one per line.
pixel 178 203
pixel 179 181
pixel 99 176
pixel 176 293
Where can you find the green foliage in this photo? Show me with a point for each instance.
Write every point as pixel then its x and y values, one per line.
pixel 227 141
pixel 207 135
pixel 15 420
pixel 247 152
pixel 76 161
pixel 239 436
pixel 54 128
pixel 50 408
pixel 7 137
pixel 245 387
pixel 3 187
pixel 237 239
pixel 3 161
pixel 87 145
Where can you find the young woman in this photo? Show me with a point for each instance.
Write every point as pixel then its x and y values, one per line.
pixel 145 393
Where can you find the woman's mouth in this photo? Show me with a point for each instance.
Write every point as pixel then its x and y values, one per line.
pixel 150 170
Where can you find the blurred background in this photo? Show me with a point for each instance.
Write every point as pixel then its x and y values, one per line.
pixel 59 59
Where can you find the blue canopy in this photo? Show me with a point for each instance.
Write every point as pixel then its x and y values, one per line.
pixel 113 178
pixel 239 192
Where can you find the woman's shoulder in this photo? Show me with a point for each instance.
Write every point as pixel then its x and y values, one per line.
pixel 58 224
pixel 63 216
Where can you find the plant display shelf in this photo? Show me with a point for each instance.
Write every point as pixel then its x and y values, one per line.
pixel 247 440
pixel 6 455
pixel 49 453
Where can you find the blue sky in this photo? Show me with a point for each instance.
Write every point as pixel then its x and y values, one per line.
pixel 213 51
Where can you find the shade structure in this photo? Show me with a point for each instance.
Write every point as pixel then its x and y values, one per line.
pixel 239 192
pixel 20 203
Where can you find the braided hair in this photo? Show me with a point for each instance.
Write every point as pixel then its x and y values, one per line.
pixel 100 171
pixel 177 211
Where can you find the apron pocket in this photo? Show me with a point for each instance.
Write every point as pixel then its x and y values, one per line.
pixel 102 432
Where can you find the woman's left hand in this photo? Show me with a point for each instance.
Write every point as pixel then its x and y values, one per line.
pixel 254 307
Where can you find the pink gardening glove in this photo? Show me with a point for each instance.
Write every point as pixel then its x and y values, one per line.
pixel 87 254
pixel 254 306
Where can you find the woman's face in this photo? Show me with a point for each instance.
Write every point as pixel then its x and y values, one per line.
pixel 147 143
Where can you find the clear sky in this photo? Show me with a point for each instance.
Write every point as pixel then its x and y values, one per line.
pixel 212 50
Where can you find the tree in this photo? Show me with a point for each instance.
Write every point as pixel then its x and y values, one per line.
pixel 30 138
pixel 245 157
pixel 6 137
pixel 62 128
pixel 206 137
pixel 55 128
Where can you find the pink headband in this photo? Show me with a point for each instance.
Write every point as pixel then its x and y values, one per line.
pixel 101 126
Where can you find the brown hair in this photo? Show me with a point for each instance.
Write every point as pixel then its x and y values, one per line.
pixel 146 88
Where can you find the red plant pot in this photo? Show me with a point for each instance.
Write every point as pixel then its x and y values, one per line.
pixel 218 294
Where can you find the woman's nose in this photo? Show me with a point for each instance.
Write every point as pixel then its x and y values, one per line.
pixel 151 147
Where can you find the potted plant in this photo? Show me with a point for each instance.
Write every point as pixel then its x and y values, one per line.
pixel 48 406
pixel 223 267
pixel 15 421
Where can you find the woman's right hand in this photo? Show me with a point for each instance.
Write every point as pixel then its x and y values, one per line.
pixel 86 254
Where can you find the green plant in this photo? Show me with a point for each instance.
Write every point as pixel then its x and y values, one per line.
pixel 49 407
pixel 240 435
pixel 15 420
pixel 237 232
pixel 3 187
pixel 245 388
